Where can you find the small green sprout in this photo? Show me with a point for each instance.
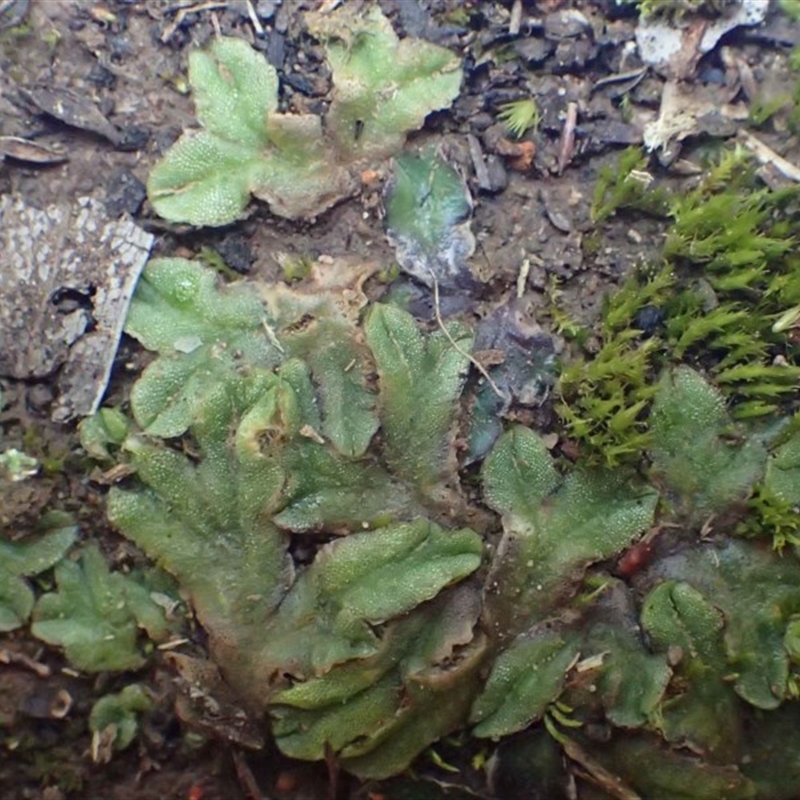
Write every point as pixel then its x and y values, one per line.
pixel 294 267
pixel 558 714
pixel 787 321
pixel 114 720
pixel 440 762
pixel 17 465
pixel 764 108
pixel 520 116
pixel 770 515
pixel 627 184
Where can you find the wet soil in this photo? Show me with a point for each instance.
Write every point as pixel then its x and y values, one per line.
pixel 128 60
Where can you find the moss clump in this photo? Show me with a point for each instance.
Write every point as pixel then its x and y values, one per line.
pixel 727 272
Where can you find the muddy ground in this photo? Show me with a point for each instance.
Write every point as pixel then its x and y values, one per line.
pixel 128 61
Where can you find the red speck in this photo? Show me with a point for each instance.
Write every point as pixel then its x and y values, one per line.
pixel 286 782
pixel 635 558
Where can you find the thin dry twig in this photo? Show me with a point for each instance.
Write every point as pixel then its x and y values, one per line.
pixel 515 22
pixel 215 24
pixel 522 277
pixel 567 143
pixel 766 155
pixel 632 74
pixel 481 171
pixel 12 657
pixel 184 12
pixel 597 772
pixel 460 350
pixel 254 20
pixel 272 336
pixel 247 781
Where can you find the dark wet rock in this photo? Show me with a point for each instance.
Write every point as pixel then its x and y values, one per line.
pixel 617 9
pixel 133 137
pixel 299 83
pixel 648 319
pixel 558 219
pixel 648 92
pixel 166 137
pixel 614 34
pixel 101 77
pixel 119 47
pixel 596 136
pixel 274 47
pixel 414 17
pixel 713 75
pixel 566 24
pixel 529 767
pixel 526 372
pixel 125 193
pixel 418 299
pixel 498 176
pixel 534 50
pixel 573 54
pixel 282 19
pixel 521 360
pixel 72 108
pixel 482 120
pixel 236 251
pixel 40 396
pixel 562 253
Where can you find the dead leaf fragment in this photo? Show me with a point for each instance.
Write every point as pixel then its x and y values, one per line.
pixel 674 48
pixel 67 274
pixel 689 109
pixel 766 155
pixel 72 109
pixel 32 152
pixel 206 703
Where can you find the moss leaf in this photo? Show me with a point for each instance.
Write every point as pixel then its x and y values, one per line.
pixel 208 523
pixel 338 366
pixel 552 529
pixel 201 329
pixel 360 582
pixel 95 615
pixel 631 681
pixel 115 717
pixel 523 682
pixel 702 710
pixel 27 558
pixel 653 769
pixel 421 378
pixel 383 86
pixel 696 450
pixel 783 471
pixel 757 592
pixel 379 712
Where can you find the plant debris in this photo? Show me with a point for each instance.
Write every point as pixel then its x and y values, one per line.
pixel 67 279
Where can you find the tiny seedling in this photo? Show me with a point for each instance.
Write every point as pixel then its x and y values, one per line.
pixel 520 116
